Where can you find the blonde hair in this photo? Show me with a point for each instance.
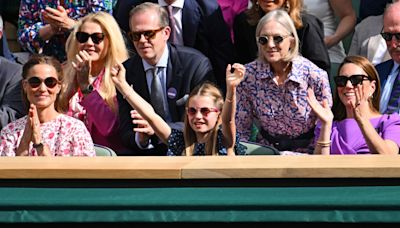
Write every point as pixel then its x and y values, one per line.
pixel 116 53
pixel 281 17
pixel 210 90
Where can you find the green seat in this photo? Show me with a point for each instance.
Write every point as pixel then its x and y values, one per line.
pixel 104 151
pixel 257 149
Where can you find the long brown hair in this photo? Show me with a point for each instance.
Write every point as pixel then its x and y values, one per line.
pixel 293 7
pixel 210 90
pixel 339 110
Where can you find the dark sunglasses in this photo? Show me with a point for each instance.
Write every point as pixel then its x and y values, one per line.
pixel 277 39
pixel 204 111
pixel 149 34
pixel 35 82
pixel 96 37
pixel 388 36
pixel 356 79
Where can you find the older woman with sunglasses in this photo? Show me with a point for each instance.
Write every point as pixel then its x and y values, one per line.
pixel 93 47
pixel 309 30
pixel 273 93
pixel 355 126
pixel 45 131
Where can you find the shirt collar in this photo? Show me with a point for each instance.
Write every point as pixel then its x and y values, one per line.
pixel 163 62
pixel 177 4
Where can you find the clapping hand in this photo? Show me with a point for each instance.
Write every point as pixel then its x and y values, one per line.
pixel 361 102
pixel 83 68
pixel 58 19
pixel 323 111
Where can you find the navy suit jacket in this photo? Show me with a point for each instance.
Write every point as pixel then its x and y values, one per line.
pixel 11 105
pixel 186 69
pixel 203 28
pixel 383 70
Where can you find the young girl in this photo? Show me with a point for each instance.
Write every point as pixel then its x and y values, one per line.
pixel 209 121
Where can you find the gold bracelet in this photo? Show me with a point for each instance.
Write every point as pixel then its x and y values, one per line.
pixel 324 144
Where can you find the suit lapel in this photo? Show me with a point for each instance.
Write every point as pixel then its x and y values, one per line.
pixel 174 81
pixel 138 78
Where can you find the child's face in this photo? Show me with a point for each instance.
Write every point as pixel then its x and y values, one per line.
pixel 202 114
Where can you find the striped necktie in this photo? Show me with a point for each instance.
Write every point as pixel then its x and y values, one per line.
pixel 394 102
pixel 172 24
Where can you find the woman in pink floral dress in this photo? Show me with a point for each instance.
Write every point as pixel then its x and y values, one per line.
pixel 45 131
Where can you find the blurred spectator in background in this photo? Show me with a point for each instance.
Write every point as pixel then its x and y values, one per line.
pixel 371 8
pixel 367 40
pixel 389 71
pixel 339 19
pixel 230 9
pixel 4 50
pixel 11 105
pixel 44 26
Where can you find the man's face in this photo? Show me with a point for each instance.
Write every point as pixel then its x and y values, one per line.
pixel 391 26
pixel 149 38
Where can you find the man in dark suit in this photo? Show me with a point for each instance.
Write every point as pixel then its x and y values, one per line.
pixel 11 105
pixel 388 71
pixel 200 25
pixel 179 69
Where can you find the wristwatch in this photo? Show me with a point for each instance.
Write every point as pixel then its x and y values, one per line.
pixel 88 89
pixel 37 146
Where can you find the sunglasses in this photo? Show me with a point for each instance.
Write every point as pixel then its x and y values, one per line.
pixel 341 81
pixel 277 39
pixel 96 37
pixel 204 111
pixel 35 82
pixel 149 34
pixel 388 36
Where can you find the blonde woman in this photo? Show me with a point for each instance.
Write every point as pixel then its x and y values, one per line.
pixel 95 45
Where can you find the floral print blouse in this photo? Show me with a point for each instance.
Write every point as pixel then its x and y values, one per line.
pixel 65 136
pixel 279 109
pixel 176 145
pixel 30 21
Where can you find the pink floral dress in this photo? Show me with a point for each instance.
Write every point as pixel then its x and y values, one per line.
pixel 65 136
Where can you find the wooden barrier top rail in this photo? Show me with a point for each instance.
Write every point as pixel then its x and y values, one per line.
pixel 208 167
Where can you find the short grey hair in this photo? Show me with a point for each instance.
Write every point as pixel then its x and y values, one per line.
pixel 282 17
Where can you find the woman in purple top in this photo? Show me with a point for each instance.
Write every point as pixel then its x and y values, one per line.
pixel 355 126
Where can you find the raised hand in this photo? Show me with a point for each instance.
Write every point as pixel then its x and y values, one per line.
pixel 58 19
pixel 233 79
pixel 118 74
pixel 361 102
pixel 83 68
pixel 323 111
